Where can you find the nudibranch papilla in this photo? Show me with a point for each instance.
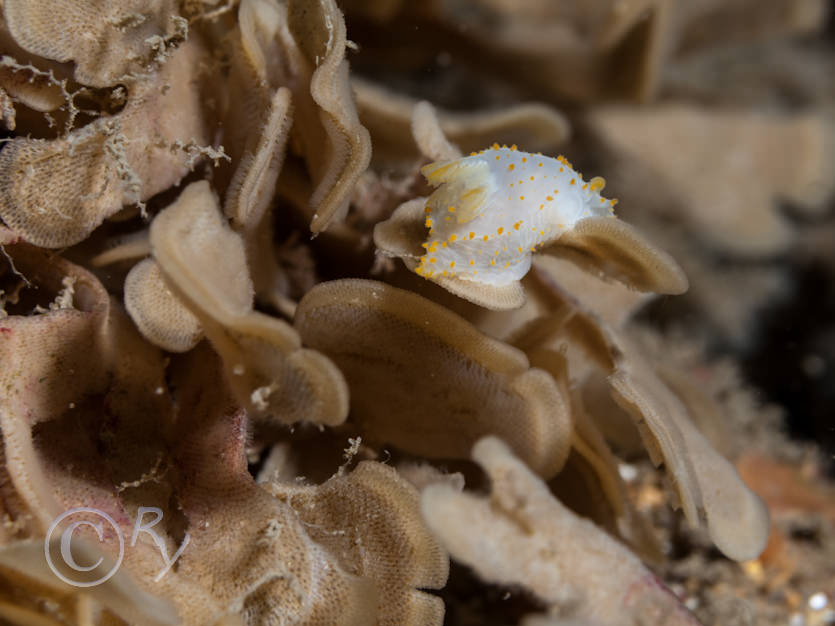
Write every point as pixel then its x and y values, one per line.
pixel 493 209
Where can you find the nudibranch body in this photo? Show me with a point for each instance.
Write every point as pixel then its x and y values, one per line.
pixel 493 209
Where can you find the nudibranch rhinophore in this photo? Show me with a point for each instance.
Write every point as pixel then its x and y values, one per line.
pixel 493 209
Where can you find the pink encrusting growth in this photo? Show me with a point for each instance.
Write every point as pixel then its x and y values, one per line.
pixel 493 209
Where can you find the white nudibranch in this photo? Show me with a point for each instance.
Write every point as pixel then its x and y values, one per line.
pixel 493 209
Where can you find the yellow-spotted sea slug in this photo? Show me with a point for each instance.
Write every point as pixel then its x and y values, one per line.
pixel 490 211
pixel 493 209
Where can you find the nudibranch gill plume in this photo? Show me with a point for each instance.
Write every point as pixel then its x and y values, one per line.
pixel 493 209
